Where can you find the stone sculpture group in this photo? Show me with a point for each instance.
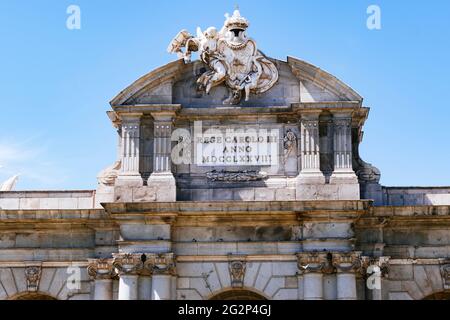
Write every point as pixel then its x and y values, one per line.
pixel 233 59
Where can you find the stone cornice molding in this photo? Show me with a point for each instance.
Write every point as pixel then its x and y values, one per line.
pixel 152 79
pixel 207 213
pixel 146 109
pixel 306 71
pixel 227 207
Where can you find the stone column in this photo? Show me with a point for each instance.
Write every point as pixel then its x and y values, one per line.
pixel 128 267
pixel 129 174
pixel 300 285
pixel 347 264
pixel 102 272
pixel 342 146
pixel 309 150
pixel 145 287
pixel 163 269
pixel 311 265
pixel 162 177
pixel 329 286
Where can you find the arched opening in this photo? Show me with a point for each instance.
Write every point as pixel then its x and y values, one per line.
pixel 33 296
pixel 238 294
pixel 439 296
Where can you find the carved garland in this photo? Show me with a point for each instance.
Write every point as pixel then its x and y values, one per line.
pixel 128 263
pixel 347 262
pixel 235 176
pixel 312 262
pixel 160 264
pixel 101 269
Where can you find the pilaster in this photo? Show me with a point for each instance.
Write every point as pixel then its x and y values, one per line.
pixel 343 175
pixel 309 150
pixel 346 264
pixel 102 272
pixel 342 146
pixel 163 269
pixel 128 267
pixel 130 130
pixel 162 177
pixel 311 266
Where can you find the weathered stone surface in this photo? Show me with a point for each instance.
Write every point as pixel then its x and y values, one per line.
pixel 399 296
pixel 188 224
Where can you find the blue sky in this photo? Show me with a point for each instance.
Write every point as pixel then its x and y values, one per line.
pixel 56 83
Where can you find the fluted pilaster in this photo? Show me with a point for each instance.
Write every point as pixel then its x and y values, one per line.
pixel 130 131
pixel 342 146
pixel 162 176
pixel 310 150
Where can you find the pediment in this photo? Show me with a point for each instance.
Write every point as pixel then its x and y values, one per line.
pixel 175 83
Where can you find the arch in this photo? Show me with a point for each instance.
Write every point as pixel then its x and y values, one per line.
pixel 32 296
pixel 237 294
pixel 444 295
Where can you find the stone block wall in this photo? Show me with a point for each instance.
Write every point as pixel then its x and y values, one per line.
pixel 416 196
pixel 55 282
pixel 52 200
pixel 271 280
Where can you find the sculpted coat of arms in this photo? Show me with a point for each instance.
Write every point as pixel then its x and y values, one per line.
pixel 233 59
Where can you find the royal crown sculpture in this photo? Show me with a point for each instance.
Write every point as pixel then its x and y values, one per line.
pixel 233 59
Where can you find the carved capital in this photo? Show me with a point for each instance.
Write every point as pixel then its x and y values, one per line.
pixel 310 123
pixel 126 263
pixel 313 262
pixel 160 264
pixel 101 269
pixel 347 262
pixel 33 276
pixel 342 122
pixel 237 270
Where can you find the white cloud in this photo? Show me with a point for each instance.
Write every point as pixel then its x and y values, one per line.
pixel 31 159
